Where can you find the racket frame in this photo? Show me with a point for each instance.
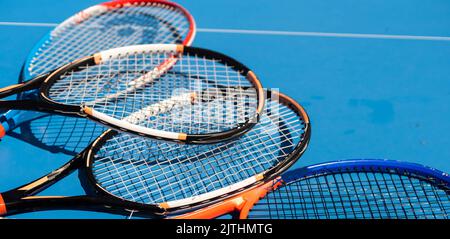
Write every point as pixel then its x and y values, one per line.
pixel 10 120
pixel 46 104
pixel 367 165
pixel 177 210
pixel 25 73
pixel 22 199
pixel 241 205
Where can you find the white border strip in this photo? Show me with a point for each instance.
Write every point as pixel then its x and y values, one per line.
pixel 276 33
pixel 28 24
pixel 325 34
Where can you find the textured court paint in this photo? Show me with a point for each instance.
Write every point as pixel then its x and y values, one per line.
pixel 367 98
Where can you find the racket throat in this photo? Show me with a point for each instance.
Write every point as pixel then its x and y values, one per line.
pixel 23 87
pixel 67 110
pixel 81 203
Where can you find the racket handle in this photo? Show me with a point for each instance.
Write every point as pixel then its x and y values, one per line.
pixel 67 110
pixel 83 203
pixel 3 210
pixel 44 182
pixel 2 134
pixel 29 85
pixel 23 105
pixel 14 118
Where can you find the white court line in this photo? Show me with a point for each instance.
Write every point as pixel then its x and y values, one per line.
pixel 276 33
pixel 327 34
pixel 28 24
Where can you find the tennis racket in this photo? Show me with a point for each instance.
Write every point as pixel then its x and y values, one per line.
pixel 120 88
pixel 349 189
pixel 100 27
pixel 122 173
pixel 110 25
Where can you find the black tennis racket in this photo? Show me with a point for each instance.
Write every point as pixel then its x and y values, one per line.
pixel 131 89
pixel 123 173
pixel 349 189
pixel 100 27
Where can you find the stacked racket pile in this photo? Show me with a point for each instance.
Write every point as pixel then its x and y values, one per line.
pixel 158 128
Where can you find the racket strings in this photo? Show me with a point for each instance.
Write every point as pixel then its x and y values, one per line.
pixel 219 97
pixel 155 171
pixel 128 25
pixel 363 195
pixel 206 167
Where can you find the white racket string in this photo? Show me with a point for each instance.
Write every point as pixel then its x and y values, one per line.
pixel 124 85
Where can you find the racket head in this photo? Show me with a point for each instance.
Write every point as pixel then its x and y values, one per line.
pixel 23 199
pixel 125 17
pixel 156 178
pixel 181 177
pixel 164 91
pixel 358 189
pixel 97 28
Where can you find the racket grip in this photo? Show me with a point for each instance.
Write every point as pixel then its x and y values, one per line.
pixel 17 88
pixel 22 105
pixel 2 134
pixel 12 88
pixel 2 206
pixel 82 203
pixel 67 110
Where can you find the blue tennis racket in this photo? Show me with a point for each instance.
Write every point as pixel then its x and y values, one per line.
pixel 349 189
